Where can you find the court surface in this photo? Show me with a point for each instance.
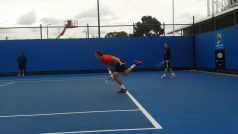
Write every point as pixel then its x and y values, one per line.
pixel 194 102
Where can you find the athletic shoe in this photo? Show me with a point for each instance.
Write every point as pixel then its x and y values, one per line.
pixel 122 91
pixel 137 62
pixel 173 76
pixel 163 76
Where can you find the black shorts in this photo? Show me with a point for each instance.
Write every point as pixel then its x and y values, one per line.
pixel 167 65
pixel 120 68
pixel 21 66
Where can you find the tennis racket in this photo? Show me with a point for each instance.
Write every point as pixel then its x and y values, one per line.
pixel 110 81
pixel 159 65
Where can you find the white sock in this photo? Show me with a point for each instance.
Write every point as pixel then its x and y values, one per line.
pixel 123 86
pixel 133 66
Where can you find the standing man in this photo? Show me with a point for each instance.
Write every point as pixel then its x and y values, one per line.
pixel 119 65
pixel 21 64
pixel 167 57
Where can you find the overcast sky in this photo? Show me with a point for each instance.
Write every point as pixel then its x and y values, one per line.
pixel 56 12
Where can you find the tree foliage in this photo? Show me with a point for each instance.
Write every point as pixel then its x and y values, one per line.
pixel 121 34
pixel 149 26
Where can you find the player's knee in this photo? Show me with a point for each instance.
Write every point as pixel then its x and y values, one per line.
pixel 115 74
pixel 125 73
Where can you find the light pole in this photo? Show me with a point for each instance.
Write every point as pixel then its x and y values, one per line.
pixel 99 32
pixel 173 14
pixel 40 31
pixel 84 31
pixel 48 30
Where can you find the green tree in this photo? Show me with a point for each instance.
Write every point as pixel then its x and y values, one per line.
pixel 149 26
pixel 121 34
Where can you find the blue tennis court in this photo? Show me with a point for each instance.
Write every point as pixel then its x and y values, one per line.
pixel 195 102
pixel 78 104
pixel 119 67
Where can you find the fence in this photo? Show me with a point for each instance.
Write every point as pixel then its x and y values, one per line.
pixel 87 31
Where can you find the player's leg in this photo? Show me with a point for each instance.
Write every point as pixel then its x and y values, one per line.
pixel 165 73
pixel 166 69
pixel 122 69
pixel 136 63
pixel 119 82
pixel 19 72
pixel 116 78
pixel 171 70
pixel 173 74
pixel 23 72
pixel 19 69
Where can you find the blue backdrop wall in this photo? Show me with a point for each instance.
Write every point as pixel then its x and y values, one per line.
pixel 78 54
pixel 231 48
pixel 205 49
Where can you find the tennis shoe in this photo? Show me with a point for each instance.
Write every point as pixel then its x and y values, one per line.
pixel 122 91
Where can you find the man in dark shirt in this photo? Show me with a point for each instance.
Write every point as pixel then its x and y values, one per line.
pixel 21 64
pixel 167 57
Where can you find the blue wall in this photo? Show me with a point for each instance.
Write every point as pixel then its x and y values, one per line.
pixel 59 55
pixel 231 47
pixel 205 49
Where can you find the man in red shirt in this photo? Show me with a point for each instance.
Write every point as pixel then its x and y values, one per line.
pixel 119 65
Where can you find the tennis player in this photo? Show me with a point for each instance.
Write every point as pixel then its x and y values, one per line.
pixel 167 57
pixel 119 67
pixel 21 64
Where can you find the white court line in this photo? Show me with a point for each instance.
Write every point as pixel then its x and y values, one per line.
pixel 7 84
pixel 69 113
pixel 101 131
pixel 151 119
pixel 216 73
pixel 59 79
pixel 56 80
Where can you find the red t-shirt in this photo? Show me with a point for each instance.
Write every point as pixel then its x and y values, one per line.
pixel 107 59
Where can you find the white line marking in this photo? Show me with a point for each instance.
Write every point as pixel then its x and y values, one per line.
pixel 7 84
pixel 58 79
pixel 69 113
pixel 151 119
pixel 216 73
pixel 100 131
